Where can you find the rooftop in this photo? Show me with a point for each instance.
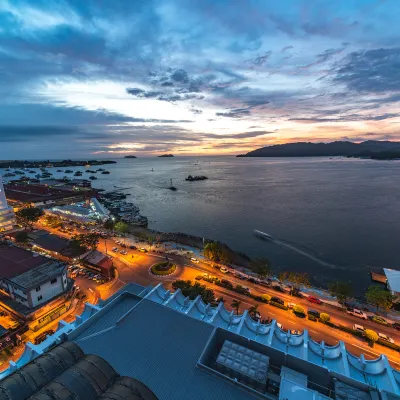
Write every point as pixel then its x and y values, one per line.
pixel 393 278
pixel 49 242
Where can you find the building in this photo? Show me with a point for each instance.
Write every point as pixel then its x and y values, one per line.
pixel 98 262
pixel 7 218
pixel 393 282
pixel 183 349
pixel 28 280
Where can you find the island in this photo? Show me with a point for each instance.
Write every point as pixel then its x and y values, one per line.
pixel 373 149
pixel 130 157
pixel 50 164
pixel 166 155
pixel 191 178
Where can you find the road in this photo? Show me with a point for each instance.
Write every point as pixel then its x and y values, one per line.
pixel 134 267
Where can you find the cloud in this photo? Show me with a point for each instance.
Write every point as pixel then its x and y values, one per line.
pixel 235 113
pixel 347 118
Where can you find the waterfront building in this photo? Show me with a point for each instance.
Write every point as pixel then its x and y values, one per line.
pixel 393 282
pixel 184 349
pixel 28 280
pixel 7 218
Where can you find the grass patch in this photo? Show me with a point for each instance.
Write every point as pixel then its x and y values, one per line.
pixel 163 268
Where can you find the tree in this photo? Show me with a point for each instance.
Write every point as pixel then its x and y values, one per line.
pixel 266 297
pixel 324 317
pixel 52 221
pixel 21 237
pixel 296 279
pixel 262 267
pixel 253 309
pixel 341 290
pixel 27 216
pixel 109 224
pixel 236 305
pixel 297 309
pixel 192 291
pixel 380 297
pixel 121 226
pixel 371 336
pixel 216 252
pixel 88 241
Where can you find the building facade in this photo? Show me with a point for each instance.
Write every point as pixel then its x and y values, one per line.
pixel 7 218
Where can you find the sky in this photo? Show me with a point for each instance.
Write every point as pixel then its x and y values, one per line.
pixel 107 78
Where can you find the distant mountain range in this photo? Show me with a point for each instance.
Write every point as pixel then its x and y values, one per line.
pixel 370 149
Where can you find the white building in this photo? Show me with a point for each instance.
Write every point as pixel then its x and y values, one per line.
pixel 29 279
pixel 7 218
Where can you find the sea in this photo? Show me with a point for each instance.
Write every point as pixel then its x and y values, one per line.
pixel 333 218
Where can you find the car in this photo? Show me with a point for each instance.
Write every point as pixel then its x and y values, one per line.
pixel 124 252
pixel 314 313
pixel 199 277
pixel 356 313
pixel 277 300
pixel 224 270
pixel 143 250
pixel 278 288
pixel 195 260
pixel 358 328
pixel 118 242
pixel 291 305
pixel 396 325
pixel 379 320
pixel 385 338
pixel 226 284
pixel 115 249
pixel 124 245
pixel 314 299
pixel 254 280
pixel 132 247
pixel 43 336
pixel 297 293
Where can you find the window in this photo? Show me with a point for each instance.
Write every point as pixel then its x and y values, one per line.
pixel 53 280
pixel 38 289
pixel 39 298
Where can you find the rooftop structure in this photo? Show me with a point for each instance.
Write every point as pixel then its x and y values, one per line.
pixel 99 262
pixel 47 241
pixel 184 349
pixel 393 281
pixel 7 218
pixel 29 279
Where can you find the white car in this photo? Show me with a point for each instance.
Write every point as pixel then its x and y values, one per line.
pixel 358 328
pixel 356 313
pixel 195 260
pixel 124 252
pixel 385 338
pixel 224 270
pixel 115 249
pixel 291 305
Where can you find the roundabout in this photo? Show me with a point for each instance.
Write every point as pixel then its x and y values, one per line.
pixel 163 269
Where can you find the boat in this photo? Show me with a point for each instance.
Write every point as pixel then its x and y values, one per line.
pixel 262 235
pixel 92 177
pixel 105 172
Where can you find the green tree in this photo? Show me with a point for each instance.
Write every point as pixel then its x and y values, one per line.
pixel 297 309
pixel 262 267
pixel 380 297
pixel 236 305
pixel 217 252
pixel 122 227
pixel 341 290
pixel 324 317
pixel 109 224
pixel 21 237
pixel 192 291
pixel 371 336
pixel 88 241
pixel 52 221
pixel 296 279
pixel 27 216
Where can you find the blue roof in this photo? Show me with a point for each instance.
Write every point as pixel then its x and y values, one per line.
pixel 160 347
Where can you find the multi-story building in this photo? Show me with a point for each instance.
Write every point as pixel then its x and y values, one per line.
pixel 7 218
pixel 29 280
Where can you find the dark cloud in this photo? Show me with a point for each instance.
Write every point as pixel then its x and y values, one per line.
pixel 180 75
pixel 371 71
pixel 286 48
pixel 258 61
pixel 243 135
pixel 324 57
pixel 167 84
pixel 235 113
pixel 348 118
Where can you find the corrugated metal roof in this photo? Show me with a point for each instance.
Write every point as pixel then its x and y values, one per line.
pixel 393 278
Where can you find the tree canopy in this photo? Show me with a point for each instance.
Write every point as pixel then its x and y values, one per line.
pixel 217 252
pixel 341 290
pixel 88 241
pixel 52 221
pixel 122 227
pixel 295 278
pixel 380 297
pixel 27 216
pixel 109 224
pixel 261 266
pixel 192 291
pixel 21 237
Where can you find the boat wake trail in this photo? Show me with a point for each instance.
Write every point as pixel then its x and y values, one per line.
pixel 304 253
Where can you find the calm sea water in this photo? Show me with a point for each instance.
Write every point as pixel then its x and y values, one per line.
pixel 332 218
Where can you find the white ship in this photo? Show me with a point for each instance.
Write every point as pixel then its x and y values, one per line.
pixel 262 235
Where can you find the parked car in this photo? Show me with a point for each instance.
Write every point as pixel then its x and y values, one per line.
pixel 43 336
pixel 132 247
pixel 356 313
pixel 224 270
pixel 277 300
pixel 143 250
pixel 227 284
pixel 195 260
pixel 379 320
pixel 254 280
pixel 115 249
pixel 358 328
pixel 314 313
pixel 396 325
pixel 124 252
pixel 385 338
pixel 314 299
pixel 278 288
pixel 297 293
pixel 291 305
pixel 199 277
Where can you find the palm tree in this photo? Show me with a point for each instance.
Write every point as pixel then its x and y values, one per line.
pixel 235 305
pixel 253 309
